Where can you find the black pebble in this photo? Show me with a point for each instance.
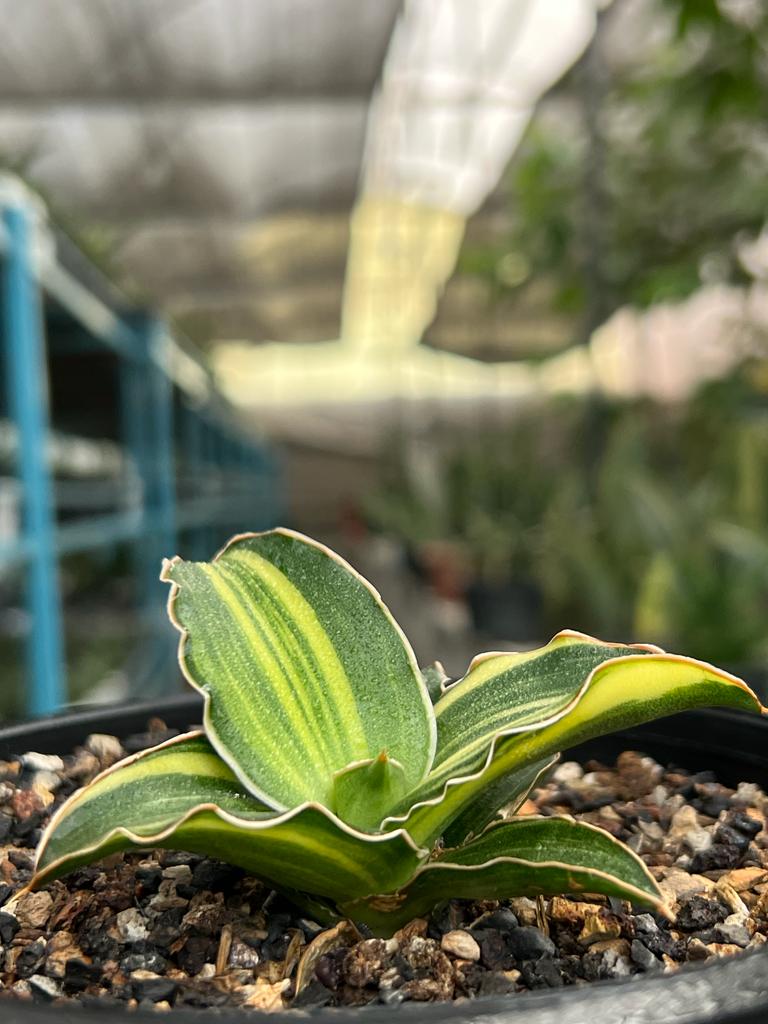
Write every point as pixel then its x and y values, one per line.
pixel 713 805
pixel 166 928
pixel 727 835
pixel 494 951
pixel 23 828
pixel 197 950
pixel 494 983
pixel 314 995
pixel 719 857
pixel 154 989
pixel 78 974
pixel 6 824
pixel 8 927
pixel 31 959
pixel 543 973
pixel 21 859
pixel 529 943
pixel 329 968
pixel 215 876
pixel 84 878
pixel 698 913
pixel 743 823
pixel 503 919
pixel 202 999
pixel 151 960
pixel 149 877
pixel 95 942
pixel 642 956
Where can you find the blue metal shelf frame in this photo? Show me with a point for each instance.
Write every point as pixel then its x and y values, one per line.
pixel 168 433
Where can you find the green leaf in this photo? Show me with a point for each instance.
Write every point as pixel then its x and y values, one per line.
pixel 303 669
pixel 525 857
pixel 619 693
pixel 508 792
pixel 364 793
pixel 182 796
pixel 506 693
pixel 435 680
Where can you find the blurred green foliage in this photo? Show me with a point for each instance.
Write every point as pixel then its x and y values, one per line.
pixel 642 186
pixel 633 521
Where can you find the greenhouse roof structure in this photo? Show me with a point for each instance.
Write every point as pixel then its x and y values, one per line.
pixel 208 155
pixel 188 142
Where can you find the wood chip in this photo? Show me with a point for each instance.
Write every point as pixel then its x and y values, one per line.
pixel 293 952
pixel 225 944
pixel 343 934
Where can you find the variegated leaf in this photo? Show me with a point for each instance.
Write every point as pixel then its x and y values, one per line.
pixel 509 693
pixel 618 693
pixel 182 796
pixel 303 669
pixel 508 792
pixel 525 857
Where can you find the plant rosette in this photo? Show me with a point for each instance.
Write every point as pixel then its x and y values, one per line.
pixel 341 775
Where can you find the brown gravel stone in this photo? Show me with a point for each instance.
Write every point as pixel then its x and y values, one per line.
pixel 599 925
pixel 743 879
pixel 569 911
pixel 366 962
pixel 415 928
pixel 674 883
pixel 26 802
pixel 524 909
pixel 723 948
pixel 33 909
pixel 637 775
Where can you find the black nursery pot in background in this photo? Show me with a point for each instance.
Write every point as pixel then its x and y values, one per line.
pixel 727 991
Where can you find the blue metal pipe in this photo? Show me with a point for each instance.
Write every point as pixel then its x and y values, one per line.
pixel 28 405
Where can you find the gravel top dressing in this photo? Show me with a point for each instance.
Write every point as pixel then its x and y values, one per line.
pixel 169 929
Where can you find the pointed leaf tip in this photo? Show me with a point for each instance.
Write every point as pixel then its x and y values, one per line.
pixel 363 793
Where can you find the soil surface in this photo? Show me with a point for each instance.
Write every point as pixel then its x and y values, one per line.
pixel 169 929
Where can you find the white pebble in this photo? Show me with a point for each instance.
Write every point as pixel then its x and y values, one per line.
pixel 42 762
pixel 103 746
pixel 461 944
pixel 568 771
pixel 131 925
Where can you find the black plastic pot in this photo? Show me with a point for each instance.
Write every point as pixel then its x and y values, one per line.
pixel 727 991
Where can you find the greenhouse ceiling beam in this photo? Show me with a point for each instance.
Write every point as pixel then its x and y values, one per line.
pixel 47 102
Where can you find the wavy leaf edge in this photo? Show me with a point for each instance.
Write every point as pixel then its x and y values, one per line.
pixel 654 653
pixel 208 726
pixel 443 863
pixel 249 825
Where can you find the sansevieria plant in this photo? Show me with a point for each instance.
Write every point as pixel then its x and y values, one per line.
pixel 333 769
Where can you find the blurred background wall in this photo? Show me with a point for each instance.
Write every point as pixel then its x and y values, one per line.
pixel 474 293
